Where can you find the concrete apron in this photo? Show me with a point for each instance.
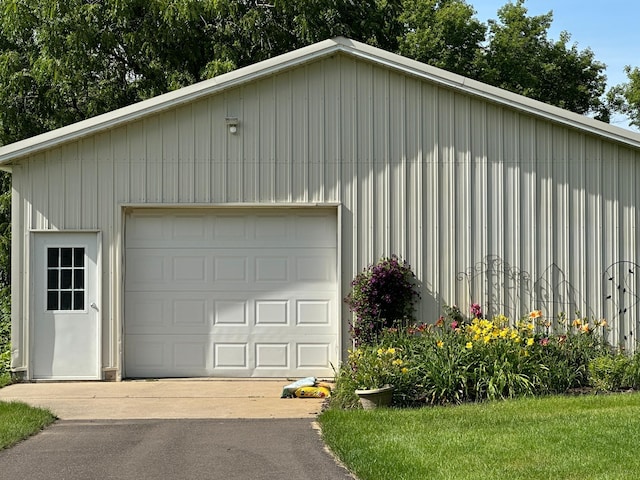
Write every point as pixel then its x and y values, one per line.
pixel 161 399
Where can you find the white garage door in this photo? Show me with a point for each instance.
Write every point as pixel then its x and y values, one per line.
pixel 231 293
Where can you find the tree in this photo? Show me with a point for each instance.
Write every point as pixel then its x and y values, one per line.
pixel 442 33
pixel 520 58
pixel 625 98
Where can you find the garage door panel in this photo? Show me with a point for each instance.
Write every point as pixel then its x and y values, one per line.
pixel 155 312
pixel 226 269
pixel 238 295
pixel 172 229
pixel 236 355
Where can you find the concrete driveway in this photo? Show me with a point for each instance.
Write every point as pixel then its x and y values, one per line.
pixel 173 429
pixel 163 399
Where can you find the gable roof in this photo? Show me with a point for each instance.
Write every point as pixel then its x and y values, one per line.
pixel 15 151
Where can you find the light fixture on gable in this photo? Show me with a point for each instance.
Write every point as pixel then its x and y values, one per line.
pixel 232 124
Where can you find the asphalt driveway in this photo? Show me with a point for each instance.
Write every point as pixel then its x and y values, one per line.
pixel 173 449
pixel 170 430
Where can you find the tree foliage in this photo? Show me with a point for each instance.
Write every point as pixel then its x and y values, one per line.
pixel 442 33
pixel 520 57
pixel 625 98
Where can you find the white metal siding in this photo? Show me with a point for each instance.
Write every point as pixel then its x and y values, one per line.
pixel 449 182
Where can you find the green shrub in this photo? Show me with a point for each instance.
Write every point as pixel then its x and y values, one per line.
pixel 632 373
pixel 5 332
pixel 607 372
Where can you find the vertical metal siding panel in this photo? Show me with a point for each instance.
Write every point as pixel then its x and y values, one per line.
pixel 136 141
pixel 56 188
pixel 186 154
pixel 528 211
pixel 202 151
pixel 332 129
pixel 364 176
pixel 461 185
pixel 224 163
pixel 397 166
pixel 317 132
pixel 512 192
pixel 413 176
pixel 634 280
pixel 593 268
pixel 562 217
pixel 283 138
pixel 544 223
pixel 21 217
pixel 381 132
pixel 628 247
pixel 447 199
pixel 266 145
pixel 429 139
pixel 577 231
pixel 169 136
pixel 611 232
pixel 347 151
pixel 300 136
pixel 121 167
pixel 153 137
pixel 251 142
pixel 478 193
pixel 89 180
pixel 495 185
pixel 38 196
pixel 72 193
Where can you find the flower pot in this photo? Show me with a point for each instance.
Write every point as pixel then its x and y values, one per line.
pixel 376 397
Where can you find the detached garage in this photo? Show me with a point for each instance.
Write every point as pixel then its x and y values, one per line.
pixel 215 230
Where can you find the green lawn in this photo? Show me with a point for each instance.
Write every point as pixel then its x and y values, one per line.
pixel 19 421
pixel 552 438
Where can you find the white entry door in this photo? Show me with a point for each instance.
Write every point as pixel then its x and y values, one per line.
pixel 65 307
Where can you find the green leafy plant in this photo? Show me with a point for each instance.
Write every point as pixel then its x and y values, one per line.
pixel 607 372
pixel 5 337
pixel 468 359
pixel 383 296
pixel 368 368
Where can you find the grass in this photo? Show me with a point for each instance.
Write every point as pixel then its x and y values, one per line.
pixel 562 437
pixel 5 379
pixel 19 421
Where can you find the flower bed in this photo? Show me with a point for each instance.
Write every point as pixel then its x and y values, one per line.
pixel 458 359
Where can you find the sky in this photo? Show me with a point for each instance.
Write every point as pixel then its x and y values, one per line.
pixel 609 28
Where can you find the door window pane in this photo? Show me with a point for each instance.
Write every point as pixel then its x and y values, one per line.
pixel 65 300
pixel 78 257
pixel 66 278
pixel 66 257
pixel 52 257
